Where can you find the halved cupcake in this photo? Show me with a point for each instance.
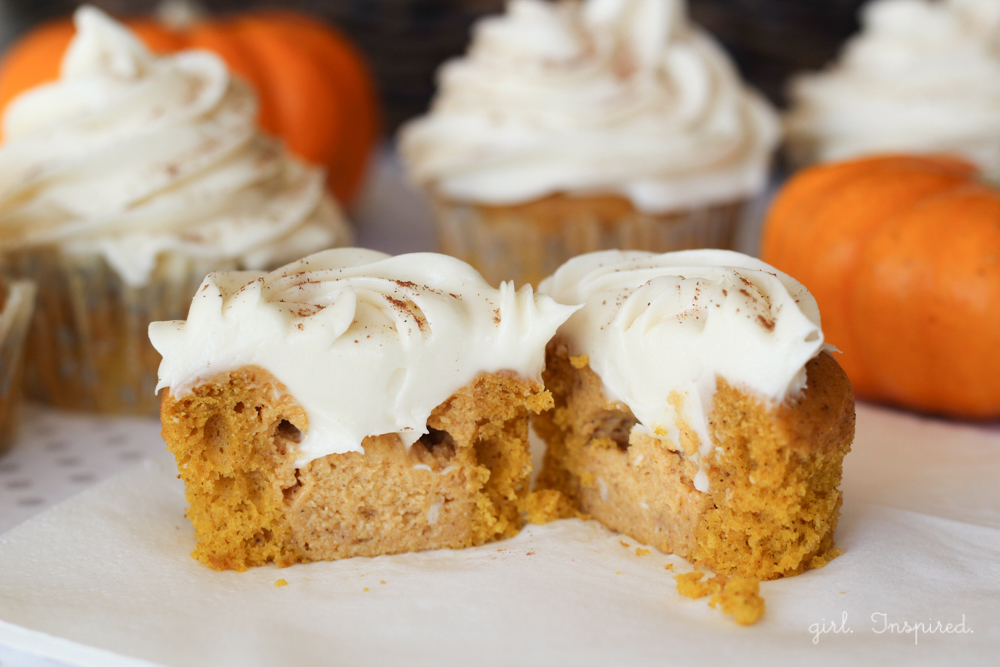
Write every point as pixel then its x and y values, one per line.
pixel 697 409
pixel 353 404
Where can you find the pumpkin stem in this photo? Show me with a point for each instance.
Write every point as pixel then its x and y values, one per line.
pixel 180 14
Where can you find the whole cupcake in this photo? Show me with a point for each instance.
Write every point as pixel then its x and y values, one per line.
pixel 921 77
pixel 588 124
pixel 122 185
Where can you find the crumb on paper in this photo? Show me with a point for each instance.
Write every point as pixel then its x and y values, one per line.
pixel 618 572
pixel 579 362
pixel 280 582
pixel 381 581
pixel 642 552
pixel 690 585
pixel 669 566
pixel 366 590
pixel 738 597
pixel 624 543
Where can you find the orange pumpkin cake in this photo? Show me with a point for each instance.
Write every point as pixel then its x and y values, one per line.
pixel 697 409
pixel 353 404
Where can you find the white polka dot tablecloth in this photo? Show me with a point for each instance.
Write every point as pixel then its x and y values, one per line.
pixel 55 456
pixel 58 454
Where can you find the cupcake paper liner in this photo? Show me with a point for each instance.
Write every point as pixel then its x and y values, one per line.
pixel 14 320
pixel 88 347
pixel 526 243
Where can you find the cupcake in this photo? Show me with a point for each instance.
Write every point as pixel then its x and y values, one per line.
pixel 17 300
pixel 124 183
pixel 697 409
pixel 582 125
pixel 921 77
pixel 353 404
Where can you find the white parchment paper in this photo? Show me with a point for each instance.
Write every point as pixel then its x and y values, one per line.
pixel 105 579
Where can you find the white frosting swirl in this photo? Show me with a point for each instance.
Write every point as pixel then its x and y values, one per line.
pixel 921 77
pixel 598 96
pixel 653 325
pixel 132 156
pixel 366 343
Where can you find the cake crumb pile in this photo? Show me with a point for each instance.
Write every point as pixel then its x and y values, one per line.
pixel 738 597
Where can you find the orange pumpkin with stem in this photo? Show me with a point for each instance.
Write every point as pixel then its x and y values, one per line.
pixel 903 256
pixel 314 88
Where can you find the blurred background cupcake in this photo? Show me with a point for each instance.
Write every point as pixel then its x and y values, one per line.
pixel 921 77
pixel 403 41
pixel 121 185
pixel 575 126
pixel 314 89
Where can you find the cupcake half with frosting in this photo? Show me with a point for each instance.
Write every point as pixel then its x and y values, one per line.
pixel 353 404
pixel 121 185
pixel 921 77
pixel 588 124
pixel 697 408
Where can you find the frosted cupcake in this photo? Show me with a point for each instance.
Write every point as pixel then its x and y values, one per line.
pixel 121 185
pixel 353 404
pixel 17 300
pixel 575 126
pixel 921 77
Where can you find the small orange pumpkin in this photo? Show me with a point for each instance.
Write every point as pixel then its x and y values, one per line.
pixel 903 256
pixel 314 87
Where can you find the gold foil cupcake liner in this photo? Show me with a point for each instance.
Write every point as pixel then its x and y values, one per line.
pixel 527 242
pixel 18 298
pixel 88 346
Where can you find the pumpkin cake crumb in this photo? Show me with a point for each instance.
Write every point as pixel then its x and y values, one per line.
pixel 546 505
pixel 740 598
pixel 669 566
pixel 234 437
pixel 737 596
pixel 280 582
pixel 690 584
pixel 822 560
pixel 772 501
pixel 642 552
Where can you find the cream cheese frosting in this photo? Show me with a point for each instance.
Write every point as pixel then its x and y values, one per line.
pixel 652 325
pixel 921 76
pixel 366 343
pixel 594 96
pixel 132 156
